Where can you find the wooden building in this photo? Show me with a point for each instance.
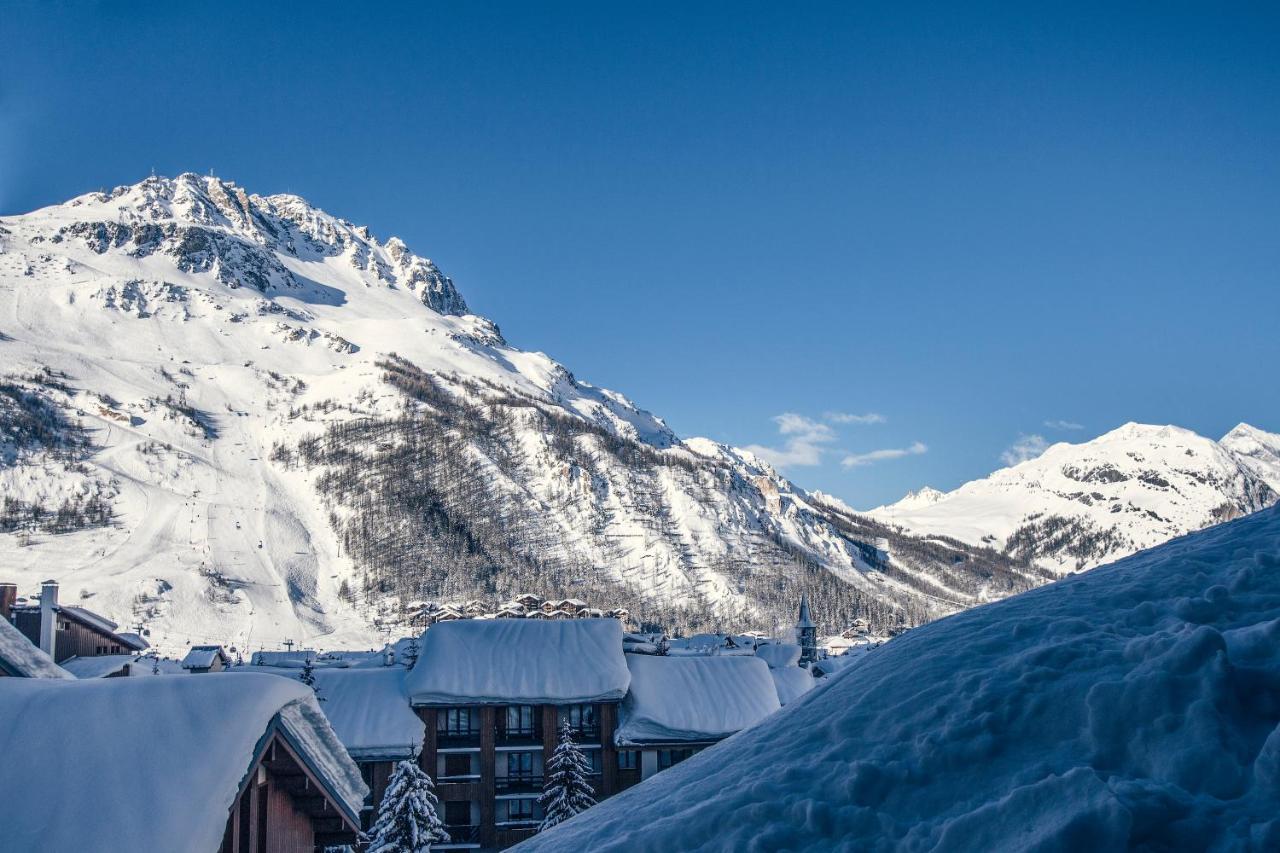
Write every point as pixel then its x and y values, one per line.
pixel 66 631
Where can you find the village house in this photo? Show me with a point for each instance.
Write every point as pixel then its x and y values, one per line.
pixel 201 659
pixel 64 631
pixel 491 695
pixel 243 764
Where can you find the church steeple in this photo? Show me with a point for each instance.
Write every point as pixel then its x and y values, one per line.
pixel 806 633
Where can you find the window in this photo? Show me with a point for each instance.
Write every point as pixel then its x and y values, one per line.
pixel 628 759
pixel 519 809
pixel 457 721
pixel 519 720
pixel 457 813
pixel 582 718
pixel 457 764
pixel 593 757
pixel 520 764
pixel 670 757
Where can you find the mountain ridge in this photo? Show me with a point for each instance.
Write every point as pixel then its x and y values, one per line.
pixel 236 418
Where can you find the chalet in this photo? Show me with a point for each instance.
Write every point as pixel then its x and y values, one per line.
pixel 228 764
pixel 550 606
pixel 679 705
pixel 491 695
pixel 206 659
pixel 527 601
pixel 63 631
pixel 19 657
pixel 510 611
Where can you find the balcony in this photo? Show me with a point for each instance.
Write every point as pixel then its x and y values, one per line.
pixel 518 784
pixel 523 736
pixel 457 739
pixel 585 734
pixel 460 835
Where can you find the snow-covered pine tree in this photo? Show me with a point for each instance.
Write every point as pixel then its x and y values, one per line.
pixel 308 677
pixel 308 674
pixel 407 820
pixel 567 790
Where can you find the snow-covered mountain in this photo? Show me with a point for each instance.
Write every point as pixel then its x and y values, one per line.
pixel 236 418
pixel 1078 505
pixel 1131 708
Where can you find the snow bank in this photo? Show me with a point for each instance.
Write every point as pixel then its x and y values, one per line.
pixel 694 698
pixel 527 661
pixel 76 778
pixel 369 710
pixel 1131 707
pixel 20 658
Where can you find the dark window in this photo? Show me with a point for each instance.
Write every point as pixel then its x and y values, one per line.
pixel 457 764
pixel 670 757
pixel 593 757
pixel 628 759
pixel 102 650
pixel 519 809
pixel 457 812
pixel 519 763
pixel 457 721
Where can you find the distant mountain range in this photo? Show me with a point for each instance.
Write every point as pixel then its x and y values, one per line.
pixel 236 418
pixel 1079 505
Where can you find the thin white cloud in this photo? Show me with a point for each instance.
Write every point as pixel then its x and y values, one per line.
pixel 1027 447
pixel 857 459
pixel 846 418
pixel 804 444
pixel 1072 425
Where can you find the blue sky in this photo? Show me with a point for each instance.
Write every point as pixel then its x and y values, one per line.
pixel 982 226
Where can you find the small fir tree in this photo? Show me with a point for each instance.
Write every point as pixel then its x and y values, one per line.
pixel 308 674
pixel 568 789
pixel 407 820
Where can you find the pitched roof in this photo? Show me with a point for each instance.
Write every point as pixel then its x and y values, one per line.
pixel 694 698
pixel 528 661
pixel 20 658
pixel 194 741
pixel 202 657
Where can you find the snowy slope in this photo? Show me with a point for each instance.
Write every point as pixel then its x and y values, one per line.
pixel 1079 505
pixel 1136 706
pixel 235 418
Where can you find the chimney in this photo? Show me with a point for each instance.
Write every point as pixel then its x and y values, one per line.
pixel 48 617
pixel 8 594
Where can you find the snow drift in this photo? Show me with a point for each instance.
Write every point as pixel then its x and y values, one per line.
pixel 1136 706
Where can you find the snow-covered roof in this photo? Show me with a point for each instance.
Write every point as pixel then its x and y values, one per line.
pixel 1122 708
pixel 100 666
pixel 369 710
pixel 504 661
pixel 791 682
pixel 75 783
pixel 694 698
pixel 202 657
pixel 779 654
pixel 20 658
